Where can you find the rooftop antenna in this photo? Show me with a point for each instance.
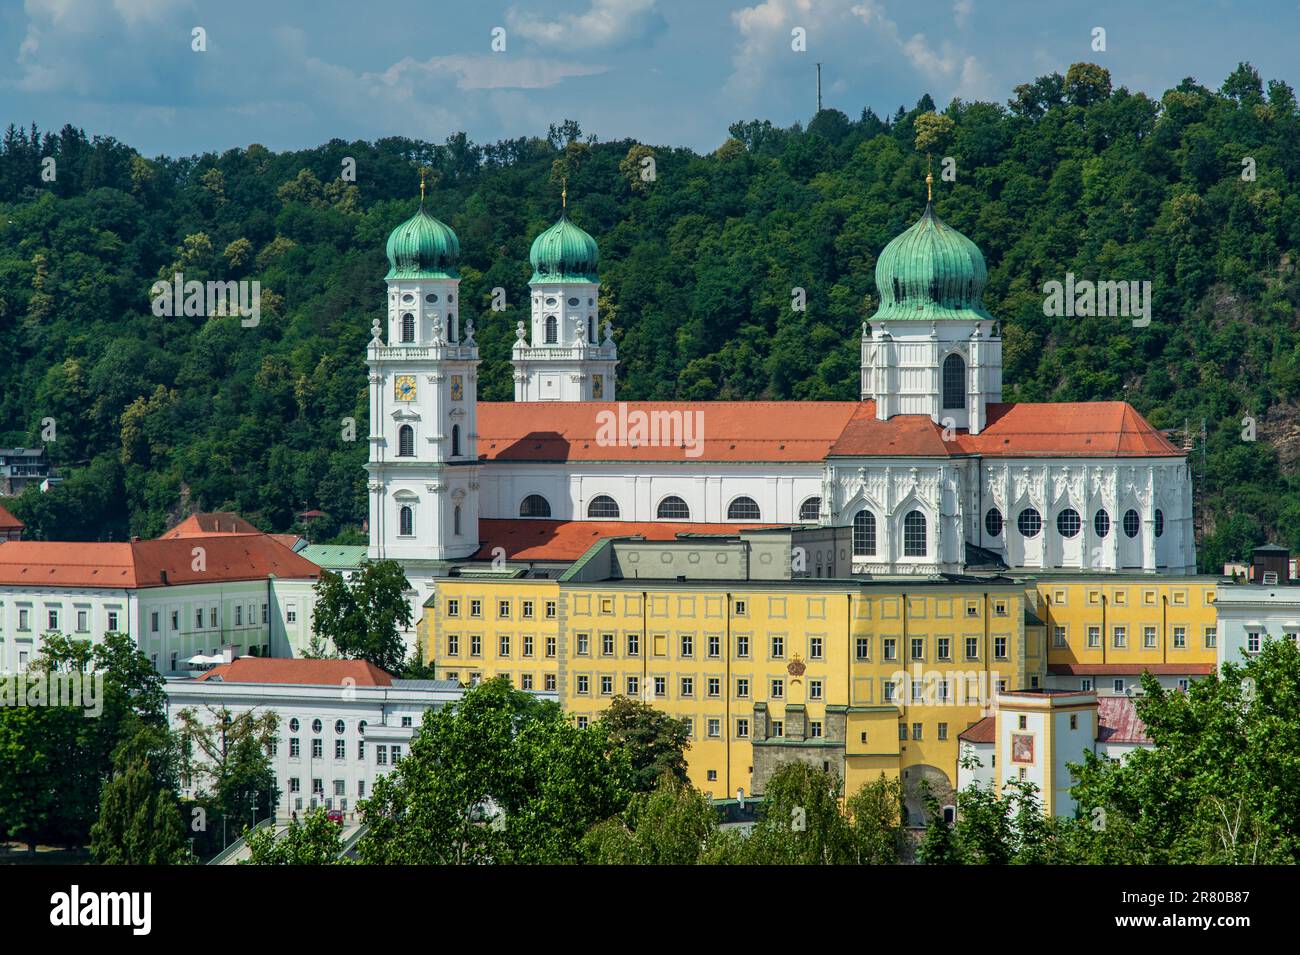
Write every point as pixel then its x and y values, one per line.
pixel 819 87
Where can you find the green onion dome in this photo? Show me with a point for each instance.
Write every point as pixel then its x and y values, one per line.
pixel 931 272
pixel 563 253
pixel 423 248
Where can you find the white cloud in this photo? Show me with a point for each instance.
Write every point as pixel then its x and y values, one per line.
pixel 607 23
pixel 487 71
pixel 961 12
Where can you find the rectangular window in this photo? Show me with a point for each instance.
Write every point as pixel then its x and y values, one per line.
pixel 1183 684
pixel 918 648
pixel 714 686
pixel 295 748
pixel 1119 637
pixel 607 686
pixel 742 688
pixel 916 731
pixel 1000 648
pixel 153 622
pixel 815 729
pixel 212 617
pixel 607 644
pixel 633 687
pixel 742 647
pixel 714 728
pixel 1119 686
pixel 902 731
pixel 1094 637
pixel 890 690
pixel 548 682
pixel 317 748
pixel 526 610
pixel 176 620
pixel 550 610
pixel 361 749
pixel 778 728
pixel 1149 638
pixel 862 648
pixel 1074 722
pixel 526 681
pixel 661 686
pixel 475 645
pixel 972 648
pixel 778 689
pixel 453 607
pixel 1085 684
pixel 815 690
pixel 266 613
pixel 1211 637
pixel 528 644
pixel 687 645
pixel 52 618
pixel 198 619
pixel 584 644
pixel 476 608
pixel 340 749
pixel 742 729
pixel 83 621
pixel 633 644
pixel 687 686
pixel 778 648
pixel 582 722
pixel 1180 638
pixel 891 648
pixel 239 615
pixel 550 648
pixel 1252 641
pixel 943 731
pixel 453 644
pixel 741 609
pixel 943 648
pixel 503 609
pixel 503 645
pixel 584 684
pixel 1058 638
pixel 715 646
pixel 112 621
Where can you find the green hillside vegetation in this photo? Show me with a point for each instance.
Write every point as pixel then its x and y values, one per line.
pixel 159 416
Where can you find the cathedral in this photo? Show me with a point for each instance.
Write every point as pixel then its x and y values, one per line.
pixel 933 472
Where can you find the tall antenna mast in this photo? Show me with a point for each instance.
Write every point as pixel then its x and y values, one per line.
pixel 819 87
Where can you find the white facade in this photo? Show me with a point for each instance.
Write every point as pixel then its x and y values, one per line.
pixel 564 357
pixel 949 370
pixel 169 624
pixel 1250 613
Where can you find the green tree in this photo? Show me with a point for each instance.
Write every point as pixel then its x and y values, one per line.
pixel 316 840
pixel 876 821
pixel 139 817
pixel 655 742
pixel 363 617
pixel 672 825
pixel 800 822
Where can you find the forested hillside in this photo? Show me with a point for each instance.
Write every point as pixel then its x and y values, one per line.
pixel 156 416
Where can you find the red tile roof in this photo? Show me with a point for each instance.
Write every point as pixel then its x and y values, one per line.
pixel 7 520
pixel 985 731
pixel 793 431
pixel 213 522
pixel 139 564
pixel 530 539
pixel 1118 722
pixel 807 431
pixel 1064 429
pixel 304 672
pixel 1130 669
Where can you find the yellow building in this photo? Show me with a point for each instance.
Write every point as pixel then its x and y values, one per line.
pixel 857 675
pixel 1105 630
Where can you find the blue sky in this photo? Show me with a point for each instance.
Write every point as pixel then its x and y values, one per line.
pixel 667 72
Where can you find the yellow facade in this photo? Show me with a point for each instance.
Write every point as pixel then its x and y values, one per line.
pixel 1118 621
pixel 881 675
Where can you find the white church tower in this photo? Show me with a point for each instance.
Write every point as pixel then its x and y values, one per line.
pixel 932 348
pixel 424 471
pixel 564 357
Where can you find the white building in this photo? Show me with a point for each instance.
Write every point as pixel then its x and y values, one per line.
pixel 342 724
pixel 211 582
pixel 927 466
pixel 1251 613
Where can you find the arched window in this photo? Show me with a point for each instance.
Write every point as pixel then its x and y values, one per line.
pixel 864 534
pixel 673 508
pixel 810 510
pixel 1132 523
pixel 1101 522
pixel 744 509
pixel 535 505
pixel 406 522
pixel 603 507
pixel 406 441
pixel 552 330
pixel 1029 523
pixel 993 522
pixel 914 534
pixel 1160 522
pixel 455 440
pixel 1068 523
pixel 455 520
pixel 954 382
pixel 408 327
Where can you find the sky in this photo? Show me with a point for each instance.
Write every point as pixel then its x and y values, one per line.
pixel 297 73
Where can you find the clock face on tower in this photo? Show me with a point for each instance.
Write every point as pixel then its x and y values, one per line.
pixel 404 387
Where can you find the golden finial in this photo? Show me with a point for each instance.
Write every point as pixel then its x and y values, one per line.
pixel 929 180
pixel 564 193
pixel 424 171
